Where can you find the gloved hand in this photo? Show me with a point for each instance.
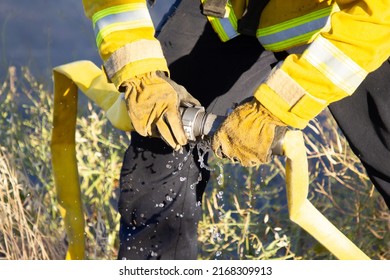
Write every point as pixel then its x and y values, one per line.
pixel 248 134
pixel 153 102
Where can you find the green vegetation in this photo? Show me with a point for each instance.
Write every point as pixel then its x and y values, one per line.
pixel 245 212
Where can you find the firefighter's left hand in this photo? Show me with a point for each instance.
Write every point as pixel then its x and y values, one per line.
pixel 248 134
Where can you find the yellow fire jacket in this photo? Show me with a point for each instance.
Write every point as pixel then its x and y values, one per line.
pixel 348 39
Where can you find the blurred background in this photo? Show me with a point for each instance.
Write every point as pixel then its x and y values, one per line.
pixel 42 34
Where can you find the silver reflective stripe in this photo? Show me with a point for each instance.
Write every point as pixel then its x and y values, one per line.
pixel 292 32
pixel 225 27
pixel 335 65
pixel 296 31
pixel 119 18
pixel 129 16
pixel 138 50
pixel 228 27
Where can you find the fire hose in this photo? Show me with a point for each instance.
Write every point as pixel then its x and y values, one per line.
pixel 88 78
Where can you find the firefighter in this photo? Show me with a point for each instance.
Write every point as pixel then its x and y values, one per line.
pixel 274 63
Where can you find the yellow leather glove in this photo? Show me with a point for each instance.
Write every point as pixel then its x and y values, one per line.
pixel 153 102
pixel 248 134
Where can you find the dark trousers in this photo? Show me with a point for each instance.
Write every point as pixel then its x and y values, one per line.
pixel 364 119
pixel 161 190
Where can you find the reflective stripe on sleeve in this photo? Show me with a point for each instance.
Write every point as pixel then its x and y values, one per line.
pixel 118 18
pixel 335 65
pixel 226 27
pixel 293 32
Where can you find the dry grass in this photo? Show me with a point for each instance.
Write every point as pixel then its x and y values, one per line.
pixel 22 236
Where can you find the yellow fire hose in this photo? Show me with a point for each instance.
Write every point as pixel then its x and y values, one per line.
pixel 302 212
pixel 87 77
pixel 65 165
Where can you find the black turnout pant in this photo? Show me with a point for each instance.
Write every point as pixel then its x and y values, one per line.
pixel 161 189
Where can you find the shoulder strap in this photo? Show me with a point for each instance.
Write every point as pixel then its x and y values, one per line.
pixel 216 8
pixel 249 22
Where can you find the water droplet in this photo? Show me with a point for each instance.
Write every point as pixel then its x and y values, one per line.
pixel 153 254
pixel 180 167
pixel 203 148
pixel 216 235
pixel 220 179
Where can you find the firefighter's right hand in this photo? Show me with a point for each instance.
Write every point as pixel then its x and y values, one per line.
pixel 153 101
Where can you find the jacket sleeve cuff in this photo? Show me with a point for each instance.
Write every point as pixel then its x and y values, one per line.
pixel 135 58
pixel 287 100
pixel 300 87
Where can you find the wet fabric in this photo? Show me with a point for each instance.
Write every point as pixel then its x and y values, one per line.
pixel 160 201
